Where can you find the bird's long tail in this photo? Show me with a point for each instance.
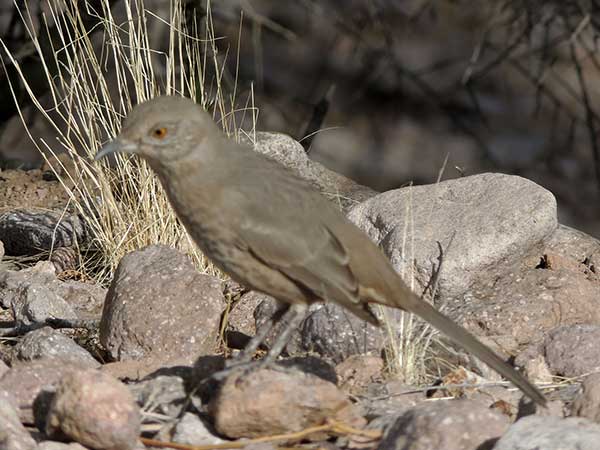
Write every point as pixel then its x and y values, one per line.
pixel 470 343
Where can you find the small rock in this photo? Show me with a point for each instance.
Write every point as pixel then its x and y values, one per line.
pixel 358 371
pixel 32 231
pixel 96 410
pixel 37 304
pixel 550 433
pixel 86 299
pixel 447 425
pixel 49 343
pixel 329 330
pixel 554 408
pixel 572 351
pixel 587 402
pixel 241 317
pixel 13 435
pixel 263 312
pixel 336 334
pixel 34 381
pixel 159 306
pixel 486 372
pixel 275 401
pixel 503 399
pixel 537 370
pixel 385 402
pixel 458 377
pixel 162 394
pixel 191 430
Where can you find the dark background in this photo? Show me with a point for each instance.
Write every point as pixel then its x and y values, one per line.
pixel 399 91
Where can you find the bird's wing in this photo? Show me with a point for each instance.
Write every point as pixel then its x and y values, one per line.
pixel 298 243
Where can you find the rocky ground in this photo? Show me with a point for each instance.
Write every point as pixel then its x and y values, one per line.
pixel 82 366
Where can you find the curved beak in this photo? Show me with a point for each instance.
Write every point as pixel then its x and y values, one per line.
pixel 115 146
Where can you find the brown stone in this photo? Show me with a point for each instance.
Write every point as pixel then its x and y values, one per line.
pixel 160 308
pixel 268 402
pixel 96 410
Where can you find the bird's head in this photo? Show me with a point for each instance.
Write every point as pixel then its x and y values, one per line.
pixel 162 130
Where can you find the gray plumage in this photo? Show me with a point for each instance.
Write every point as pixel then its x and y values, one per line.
pixel 269 229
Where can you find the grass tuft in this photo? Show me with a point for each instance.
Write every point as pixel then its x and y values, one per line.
pixel 94 74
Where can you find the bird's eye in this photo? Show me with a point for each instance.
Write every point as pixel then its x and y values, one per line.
pixel 159 133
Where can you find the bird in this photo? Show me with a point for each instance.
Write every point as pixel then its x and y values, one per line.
pixel 272 231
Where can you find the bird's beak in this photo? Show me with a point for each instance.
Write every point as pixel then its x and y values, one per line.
pixel 115 146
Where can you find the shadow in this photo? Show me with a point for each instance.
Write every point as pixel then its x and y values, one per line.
pixel 40 407
pixel 312 365
pixel 488 445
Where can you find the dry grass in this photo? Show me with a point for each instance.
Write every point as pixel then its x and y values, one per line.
pixel 408 353
pixel 101 72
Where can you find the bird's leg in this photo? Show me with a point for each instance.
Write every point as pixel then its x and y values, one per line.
pixel 246 355
pixel 292 316
pixel 292 320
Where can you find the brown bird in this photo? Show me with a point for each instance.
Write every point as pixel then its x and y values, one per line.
pixel 271 230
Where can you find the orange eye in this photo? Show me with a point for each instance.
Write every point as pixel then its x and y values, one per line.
pixel 159 133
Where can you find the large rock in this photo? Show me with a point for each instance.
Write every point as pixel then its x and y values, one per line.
pixel 523 306
pixel 340 190
pixel 160 307
pixel 474 222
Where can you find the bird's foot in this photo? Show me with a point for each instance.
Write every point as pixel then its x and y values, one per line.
pixel 244 368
